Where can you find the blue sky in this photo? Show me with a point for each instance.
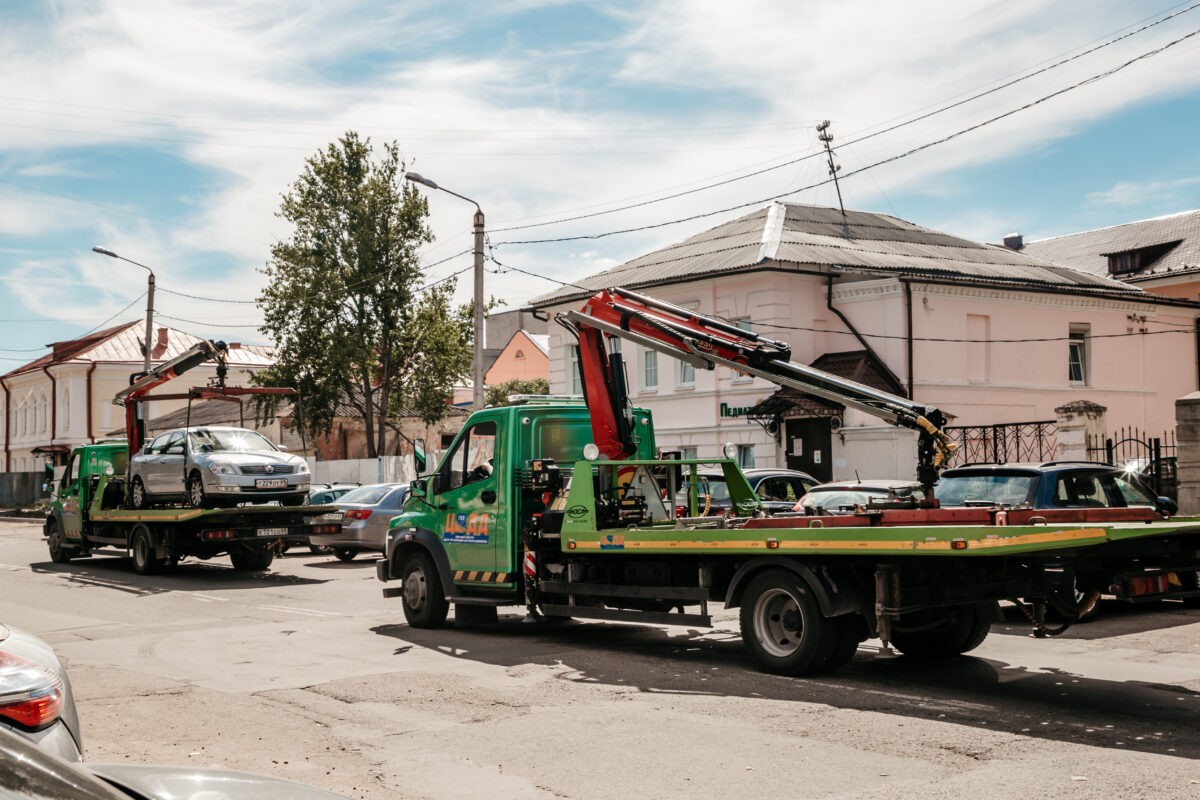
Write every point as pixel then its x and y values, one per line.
pixel 166 130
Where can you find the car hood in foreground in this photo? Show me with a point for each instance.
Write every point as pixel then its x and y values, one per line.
pixel 194 783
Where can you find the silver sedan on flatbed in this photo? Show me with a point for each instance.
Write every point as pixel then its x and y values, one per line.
pixel 210 467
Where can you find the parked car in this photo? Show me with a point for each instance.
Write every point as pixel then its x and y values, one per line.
pixel 28 773
pixel 320 494
pixel 847 497
pixel 215 466
pixel 1050 484
pixel 777 490
pixel 366 512
pixel 36 702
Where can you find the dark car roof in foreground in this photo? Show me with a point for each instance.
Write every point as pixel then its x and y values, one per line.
pixel 1026 466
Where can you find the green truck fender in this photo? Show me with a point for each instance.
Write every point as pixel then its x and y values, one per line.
pixel 837 591
pixel 401 542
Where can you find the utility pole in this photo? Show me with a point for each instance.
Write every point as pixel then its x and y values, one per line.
pixel 827 138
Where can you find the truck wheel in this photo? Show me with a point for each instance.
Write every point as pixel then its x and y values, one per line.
pixel 782 626
pixel 424 604
pixel 59 553
pixel 344 553
pixel 144 560
pixel 850 633
pixel 246 560
pixel 137 495
pixel 942 633
pixel 195 491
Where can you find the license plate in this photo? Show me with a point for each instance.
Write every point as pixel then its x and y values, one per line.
pixel 272 531
pixel 270 483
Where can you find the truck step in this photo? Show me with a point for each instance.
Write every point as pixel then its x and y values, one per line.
pixel 627 615
pixel 459 600
pixel 696 593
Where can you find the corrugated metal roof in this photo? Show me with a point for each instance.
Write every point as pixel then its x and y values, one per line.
pixel 818 236
pixel 1088 251
pixel 123 344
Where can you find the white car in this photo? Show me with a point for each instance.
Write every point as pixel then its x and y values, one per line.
pixel 209 467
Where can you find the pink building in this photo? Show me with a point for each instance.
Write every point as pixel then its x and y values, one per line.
pixel 985 333
pixel 525 357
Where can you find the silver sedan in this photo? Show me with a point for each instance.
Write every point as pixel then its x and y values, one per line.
pixel 35 696
pixel 366 512
pixel 216 466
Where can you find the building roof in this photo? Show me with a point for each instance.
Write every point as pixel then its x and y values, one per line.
pixel 816 236
pixel 542 340
pixel 123 344
pixel 1088 251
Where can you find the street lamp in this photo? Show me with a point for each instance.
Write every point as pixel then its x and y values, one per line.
pixel 149 298
pixel 477 379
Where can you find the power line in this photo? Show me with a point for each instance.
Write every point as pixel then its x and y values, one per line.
pixel 913 151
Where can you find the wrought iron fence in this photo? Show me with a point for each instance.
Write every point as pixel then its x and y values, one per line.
pixel 1005 442
pixel 1151 457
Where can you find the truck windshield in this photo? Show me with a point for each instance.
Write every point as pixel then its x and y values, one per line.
pixel 228 440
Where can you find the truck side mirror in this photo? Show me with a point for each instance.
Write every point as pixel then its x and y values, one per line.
pixel 418 488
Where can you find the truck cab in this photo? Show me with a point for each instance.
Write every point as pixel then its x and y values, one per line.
pixel 75 490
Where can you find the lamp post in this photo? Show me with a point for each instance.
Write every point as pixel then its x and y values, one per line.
pixel 149 298
pixel 477 379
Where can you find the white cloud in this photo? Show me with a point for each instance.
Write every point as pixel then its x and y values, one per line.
pixel 1126 193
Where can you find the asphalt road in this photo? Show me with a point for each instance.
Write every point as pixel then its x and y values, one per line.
pixel 308 673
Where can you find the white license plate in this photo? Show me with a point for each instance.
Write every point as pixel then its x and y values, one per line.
pixel 272 531
pixel 270 483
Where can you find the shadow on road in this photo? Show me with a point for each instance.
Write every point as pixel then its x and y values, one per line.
pixel 1113 618
pixel 116 572
pixel 333 563
pixel 1043 703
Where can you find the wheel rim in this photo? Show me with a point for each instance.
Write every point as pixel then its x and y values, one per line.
pixel 139 494
pixel 196 492
pixel 54 540
pixel 777 623
pixel 414 589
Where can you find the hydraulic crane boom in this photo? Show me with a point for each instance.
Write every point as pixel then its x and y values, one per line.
pixel 706 342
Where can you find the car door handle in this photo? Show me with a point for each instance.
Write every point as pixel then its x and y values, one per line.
pixel 487 496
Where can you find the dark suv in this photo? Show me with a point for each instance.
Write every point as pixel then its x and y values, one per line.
pixel 1051 484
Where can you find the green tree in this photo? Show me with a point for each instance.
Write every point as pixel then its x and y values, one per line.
pixel 498 395
pixel 343 300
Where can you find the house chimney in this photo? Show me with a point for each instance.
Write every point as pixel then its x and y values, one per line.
pixel 1014 241
pixel 235 345
pixel 160 345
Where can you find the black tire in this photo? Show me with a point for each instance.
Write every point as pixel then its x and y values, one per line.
pixel 851 631
pixel 246 560
pixel 1191 582
pixel 141 548
pixel 942 633
pixel 318 549
pixel 424 602
pixel 195 491
pixel 59 552
pixel 344 553
pixel 782 625
pixel 137 494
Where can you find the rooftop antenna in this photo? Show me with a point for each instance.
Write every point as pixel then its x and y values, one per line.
pixel 826 137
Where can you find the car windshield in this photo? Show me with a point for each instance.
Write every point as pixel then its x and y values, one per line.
pixel 713 486
pixel 367 495
pixel 986 488
pixel 210 440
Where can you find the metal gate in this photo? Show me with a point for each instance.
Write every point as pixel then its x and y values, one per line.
pixel 1150 457
pixel 1002 443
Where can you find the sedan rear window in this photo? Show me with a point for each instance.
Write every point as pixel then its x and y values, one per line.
pixel 367 495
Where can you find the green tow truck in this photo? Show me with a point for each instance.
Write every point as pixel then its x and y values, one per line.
pixel 562 507
pixel 91 510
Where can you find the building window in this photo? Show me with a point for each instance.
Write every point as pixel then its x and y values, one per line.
pixel 66 409
pixel 685 375
pixel 650 369
pixel 574 382
pixel 745 456
pixel 689 453
pixel 1077 355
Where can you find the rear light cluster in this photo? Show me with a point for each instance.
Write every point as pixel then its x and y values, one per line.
pixel 212 536
pixel 357 513
pixel 1150 584
pixel 336 528
pixel 30 695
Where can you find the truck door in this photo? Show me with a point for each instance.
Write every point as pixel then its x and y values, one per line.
pixel 469 499
pixel 72 499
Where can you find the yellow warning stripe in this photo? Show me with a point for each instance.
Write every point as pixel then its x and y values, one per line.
pixel 479 576
pixel 992 541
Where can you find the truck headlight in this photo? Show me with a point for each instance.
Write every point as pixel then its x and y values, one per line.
pixel 221 468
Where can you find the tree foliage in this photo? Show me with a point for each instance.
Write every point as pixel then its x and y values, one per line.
pixel 355 332
pixel 498 395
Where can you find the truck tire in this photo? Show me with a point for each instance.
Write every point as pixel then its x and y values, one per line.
pixel 247 560
pixel 141 548
pixel 850 633
pixel 195 491
pixel 782 625
pixel 424 604
pixel 959 630
pixel 137 495
pixel 59 552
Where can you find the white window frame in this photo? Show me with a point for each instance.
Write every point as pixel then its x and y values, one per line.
pixel 1078 354
pixel 745 456
pixel 574 379
pixel 649 370
pixel 745 324
pixel 685 375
